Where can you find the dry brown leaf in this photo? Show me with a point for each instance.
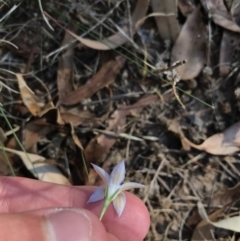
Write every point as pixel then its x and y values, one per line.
pixel 75 139
pixel 225 143
pixel 220 15
pixel 229 43
pixel 104 77
pixel 76 116
pixel 137 107
pixel 100 145
pixel 173 126
pixel 78 119
pixel 167 25
pixel 33 103
pixel 191 45
pixel 34 131
pixel 65 67
pixel 31 134
pixel 42 170
pixel 117 39
pixel 225 21
pixel 52 115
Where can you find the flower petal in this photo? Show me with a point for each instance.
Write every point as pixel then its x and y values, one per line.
pixel 102 173
pixel 129 185
pixel 113 189
pixel 98 194
pixel 118 173
pixel 119 203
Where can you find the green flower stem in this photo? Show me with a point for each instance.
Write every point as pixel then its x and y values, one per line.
pixel 106 203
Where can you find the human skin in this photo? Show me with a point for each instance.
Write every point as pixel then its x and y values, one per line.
pixel 27 205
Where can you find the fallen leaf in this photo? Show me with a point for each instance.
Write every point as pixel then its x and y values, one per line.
pixel 190 45
pixel 167 25
pixel 117 39
pixel 225 143
pixel 35 131
pixel 220 15
pixel 232 223
pixel 141 21
pixel 39 168
pixel 65 66
pixel 53 115
pixel 229 43
pixel 32 102
pixel 78 119
pixel 76 140
pixel 104 77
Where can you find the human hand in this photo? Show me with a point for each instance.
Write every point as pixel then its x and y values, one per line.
pixel 32 210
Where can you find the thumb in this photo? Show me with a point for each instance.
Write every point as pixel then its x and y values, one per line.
pixel 56 224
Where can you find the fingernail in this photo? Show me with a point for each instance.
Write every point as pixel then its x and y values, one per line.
pixel 69 225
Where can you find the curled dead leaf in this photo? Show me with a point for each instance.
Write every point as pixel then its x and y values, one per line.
pixel 225 143
pixel 32 102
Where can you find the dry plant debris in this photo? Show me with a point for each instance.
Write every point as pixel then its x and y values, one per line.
pixel 167 25
pixel 195 51
pixel 224 143
pixel 105 85
pixel 103 78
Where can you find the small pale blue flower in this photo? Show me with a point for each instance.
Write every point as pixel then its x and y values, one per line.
pixel 112 190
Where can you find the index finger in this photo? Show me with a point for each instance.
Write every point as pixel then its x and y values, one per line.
pixel 22 194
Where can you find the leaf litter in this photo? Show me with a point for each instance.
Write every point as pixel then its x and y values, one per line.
pixel 84 98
